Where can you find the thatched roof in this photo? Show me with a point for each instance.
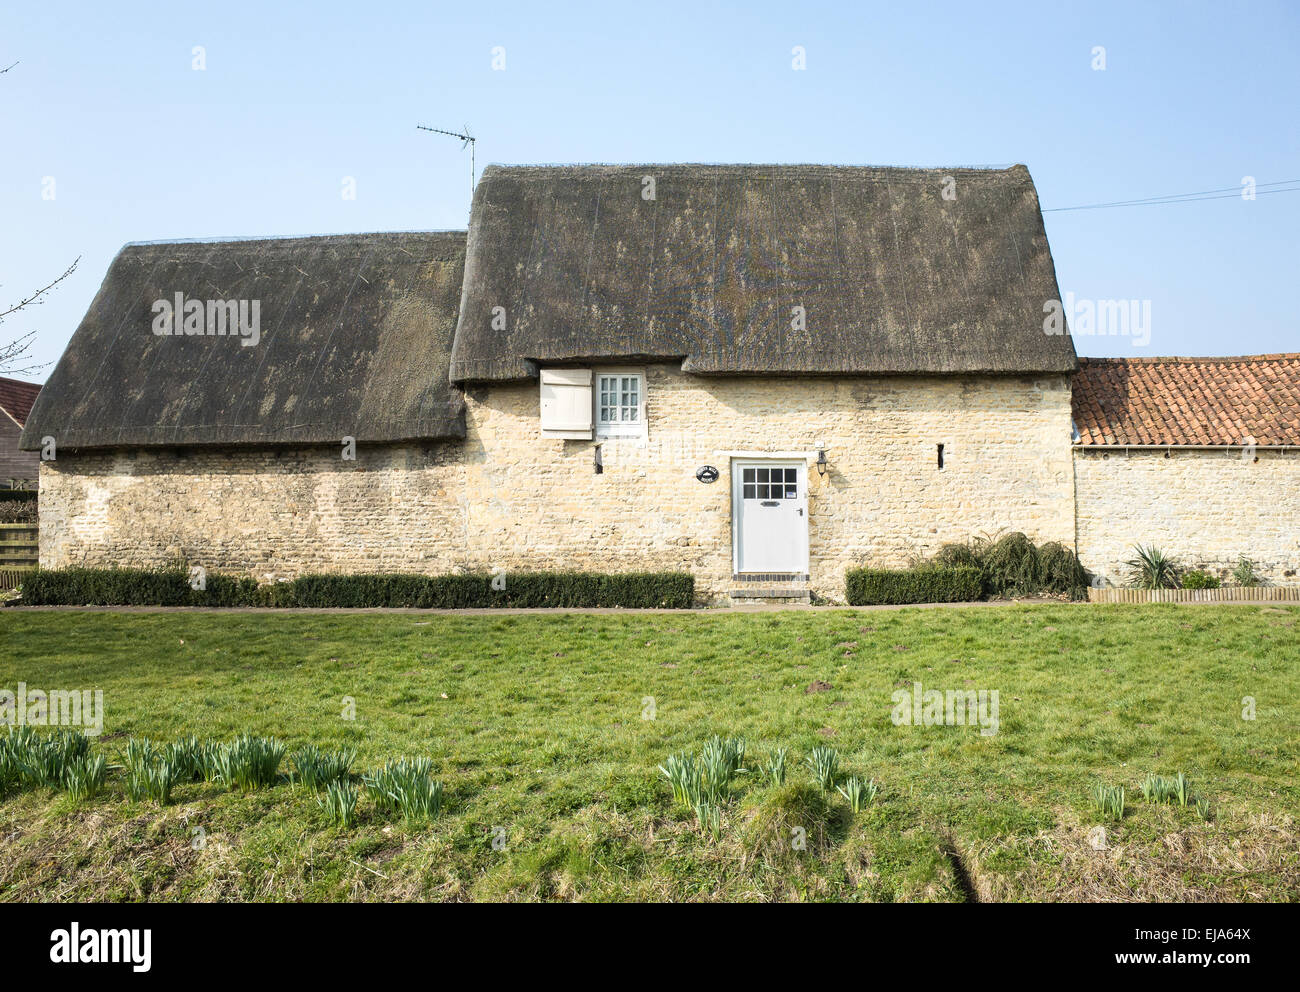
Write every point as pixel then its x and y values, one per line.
pixel 1188 401
pixel 893 277
pixel 355 332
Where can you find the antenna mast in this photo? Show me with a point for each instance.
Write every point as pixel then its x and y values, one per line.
pixel 466 139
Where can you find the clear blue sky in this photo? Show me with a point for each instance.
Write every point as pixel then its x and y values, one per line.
pixel 296 97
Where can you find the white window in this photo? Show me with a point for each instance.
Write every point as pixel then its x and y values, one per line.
pixel 566 403
pixel 620 403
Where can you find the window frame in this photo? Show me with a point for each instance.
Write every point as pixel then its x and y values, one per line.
pixel 635 428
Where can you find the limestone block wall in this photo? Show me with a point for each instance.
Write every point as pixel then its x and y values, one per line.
pixel 1204 507
pixel 506 497
pixel 534 502
pixel 262 512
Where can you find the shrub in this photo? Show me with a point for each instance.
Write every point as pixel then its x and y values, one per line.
pixel 1244 574
pixel 1062 572
pixel 1153 569
pixel 1012 567
pixel 18 511
pixel 1198 579
pixel 873 586
pixel 171 587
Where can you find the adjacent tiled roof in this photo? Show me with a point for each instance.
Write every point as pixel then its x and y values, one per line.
pixel 17 397
pixel 1188 401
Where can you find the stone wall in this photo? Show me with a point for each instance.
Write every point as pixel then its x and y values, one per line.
pixel 536 502
pixel 266 513
pixel 508 498
pixel 1205 508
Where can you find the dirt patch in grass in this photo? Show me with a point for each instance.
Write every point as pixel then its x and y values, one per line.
pixel 1156 855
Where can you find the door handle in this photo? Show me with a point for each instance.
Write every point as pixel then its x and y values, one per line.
pixel 801 511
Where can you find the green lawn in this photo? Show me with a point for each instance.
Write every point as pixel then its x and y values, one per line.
pixel 535 725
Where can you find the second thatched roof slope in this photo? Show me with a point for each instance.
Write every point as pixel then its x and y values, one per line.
pixel 757 269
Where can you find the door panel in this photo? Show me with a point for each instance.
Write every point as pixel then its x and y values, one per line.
pixel 770 516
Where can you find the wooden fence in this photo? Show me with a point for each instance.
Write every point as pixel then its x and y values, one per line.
pixel 19 546
pixel 1234 594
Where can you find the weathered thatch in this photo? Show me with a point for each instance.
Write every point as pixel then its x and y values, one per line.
pixel 893 277
pixel 355 334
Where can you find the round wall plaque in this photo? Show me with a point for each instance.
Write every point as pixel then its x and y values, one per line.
pixel 707 474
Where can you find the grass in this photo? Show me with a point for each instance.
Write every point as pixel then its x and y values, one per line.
pixel 532 724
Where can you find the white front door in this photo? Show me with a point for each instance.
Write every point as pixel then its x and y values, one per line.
pixel 769 511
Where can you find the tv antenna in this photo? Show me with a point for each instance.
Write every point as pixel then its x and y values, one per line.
pixel 466 139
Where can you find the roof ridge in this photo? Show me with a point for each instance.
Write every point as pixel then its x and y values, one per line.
pixel 1285 356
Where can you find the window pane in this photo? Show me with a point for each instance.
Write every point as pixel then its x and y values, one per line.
pixel 748 475
pixel 791 475
pixel 762 492
pixel 791 492
pixel 749 491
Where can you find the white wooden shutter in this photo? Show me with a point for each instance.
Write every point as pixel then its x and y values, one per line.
pixel 566 403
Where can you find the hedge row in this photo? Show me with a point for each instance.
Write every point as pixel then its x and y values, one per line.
pixel 876 586
pixel 139 587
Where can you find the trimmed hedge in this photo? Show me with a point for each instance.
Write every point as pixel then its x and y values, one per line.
pixel 877 586
pixel 140 587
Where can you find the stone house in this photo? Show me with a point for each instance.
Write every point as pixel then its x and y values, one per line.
pixel 762 375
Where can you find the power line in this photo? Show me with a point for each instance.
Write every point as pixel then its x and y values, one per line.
pixel 1227 193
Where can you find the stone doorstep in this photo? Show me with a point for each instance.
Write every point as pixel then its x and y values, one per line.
pixel 746 597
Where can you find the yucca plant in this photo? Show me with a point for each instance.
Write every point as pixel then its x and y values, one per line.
pixel 340 802
pixel 859 793
pixel 84 777
pixel 249 762
pixel 774 768
pixel 824 762
pixel 316 769
pixel 1153 569
pixel 1109 800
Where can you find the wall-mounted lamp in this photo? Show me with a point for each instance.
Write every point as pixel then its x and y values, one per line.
pixel 821 461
